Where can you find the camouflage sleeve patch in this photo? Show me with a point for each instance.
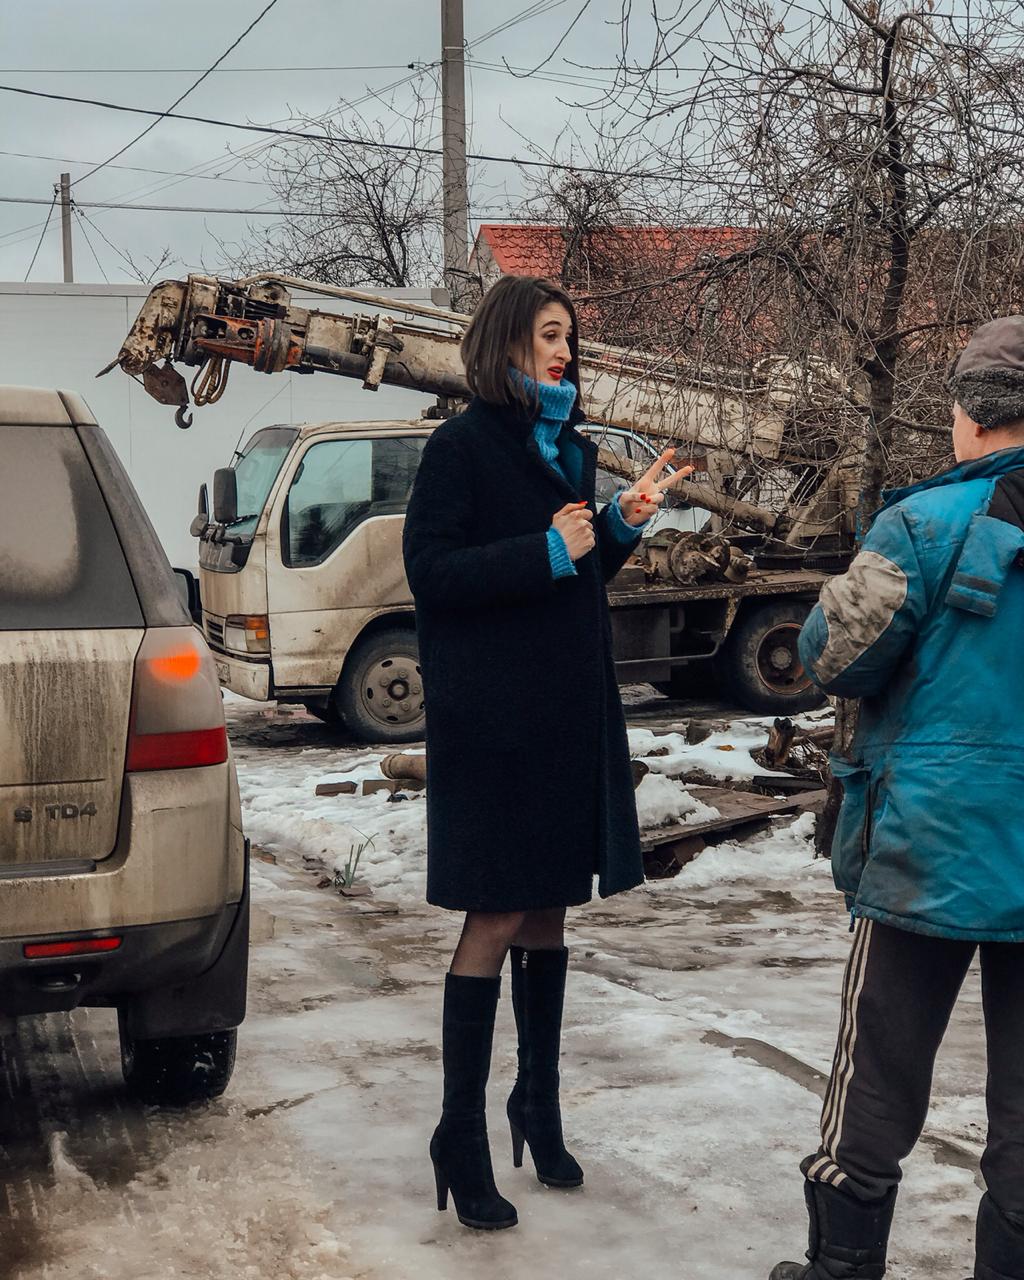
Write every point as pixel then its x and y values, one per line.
pixel 859 608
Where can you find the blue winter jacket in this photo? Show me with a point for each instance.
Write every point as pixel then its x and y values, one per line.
pixel 927 626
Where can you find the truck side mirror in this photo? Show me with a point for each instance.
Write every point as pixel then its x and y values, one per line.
pixel 202 516
pixel 225 495
pixel 188 589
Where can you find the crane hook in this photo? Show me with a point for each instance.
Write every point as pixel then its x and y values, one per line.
pixel 182 417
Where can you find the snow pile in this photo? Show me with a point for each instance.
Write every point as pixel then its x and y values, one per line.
pixel 782 855
pixel 725 754
pixel 661 802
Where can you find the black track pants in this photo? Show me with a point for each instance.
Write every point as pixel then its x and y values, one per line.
pixel 898 995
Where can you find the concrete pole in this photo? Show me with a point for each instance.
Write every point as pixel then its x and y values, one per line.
pixel 65 226
pixel 453 154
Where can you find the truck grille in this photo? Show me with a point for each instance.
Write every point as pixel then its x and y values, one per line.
pixel 214 631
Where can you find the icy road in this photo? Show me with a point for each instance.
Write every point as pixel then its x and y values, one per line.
pixel 700 1020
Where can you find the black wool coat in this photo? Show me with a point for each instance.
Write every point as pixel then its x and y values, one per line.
pixel 529 785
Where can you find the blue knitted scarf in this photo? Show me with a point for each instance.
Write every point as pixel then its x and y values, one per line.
pixel 555 406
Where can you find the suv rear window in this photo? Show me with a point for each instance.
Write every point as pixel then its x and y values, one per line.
pixel 61 564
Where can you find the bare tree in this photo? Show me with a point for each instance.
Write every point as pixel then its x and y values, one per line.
pixel 870 154
pixel 360 213
pixel 867 154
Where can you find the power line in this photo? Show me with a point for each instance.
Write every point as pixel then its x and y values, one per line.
pixel 135 168
pixel 524 15
pixel 173 208
pixel 195 85
pixel 302 135
pixel 85 235
pixel 477 210
pixel 43 233
pixel 151 71
pixel 110 244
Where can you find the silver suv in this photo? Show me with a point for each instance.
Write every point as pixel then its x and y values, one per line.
pixel 123 867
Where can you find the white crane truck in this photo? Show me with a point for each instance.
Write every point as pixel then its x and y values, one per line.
pixel 303 591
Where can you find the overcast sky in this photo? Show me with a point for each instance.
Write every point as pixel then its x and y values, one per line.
pixel 372 41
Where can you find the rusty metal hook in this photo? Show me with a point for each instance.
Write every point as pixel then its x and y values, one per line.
pixel 183 417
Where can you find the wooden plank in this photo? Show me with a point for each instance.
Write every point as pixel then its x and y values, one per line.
pixel 734 807
pixel 786 783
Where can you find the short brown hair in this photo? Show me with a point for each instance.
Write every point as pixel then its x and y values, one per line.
pixel 503 325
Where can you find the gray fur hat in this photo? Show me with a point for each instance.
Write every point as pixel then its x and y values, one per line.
pixel 987 380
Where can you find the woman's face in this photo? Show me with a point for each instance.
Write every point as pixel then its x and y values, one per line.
pixel 552 326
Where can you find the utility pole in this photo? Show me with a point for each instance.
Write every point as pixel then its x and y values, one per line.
pixel 65 226
pixel 453 155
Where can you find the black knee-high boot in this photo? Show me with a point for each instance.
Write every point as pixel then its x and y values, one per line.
pixel 538 994
pixel 848 1237
pixel 459 1150
pixel 999 1244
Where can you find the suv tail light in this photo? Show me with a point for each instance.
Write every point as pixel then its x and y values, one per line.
pixel 177 715
pixel 247 632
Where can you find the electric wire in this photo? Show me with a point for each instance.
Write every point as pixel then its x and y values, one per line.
pixel 151 71
pixel 110 244
pixel 134 168
pixel 85 237
pixel 303 135
pixel 49 215
pixel 195 85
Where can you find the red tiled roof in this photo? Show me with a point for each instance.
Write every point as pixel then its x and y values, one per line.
pixel 533 249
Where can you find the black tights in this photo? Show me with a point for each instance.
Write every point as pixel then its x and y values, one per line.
pixel 487 936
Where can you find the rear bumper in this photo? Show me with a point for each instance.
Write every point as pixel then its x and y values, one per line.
pixel 250 679
pixel 180 856
pixel 150 958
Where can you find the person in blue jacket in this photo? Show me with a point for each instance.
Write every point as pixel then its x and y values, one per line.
pixel 927 629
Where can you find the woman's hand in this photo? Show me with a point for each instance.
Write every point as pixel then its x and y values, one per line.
pixel 574 523
pixel 643 498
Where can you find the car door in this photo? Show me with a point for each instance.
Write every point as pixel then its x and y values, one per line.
pixel 334 549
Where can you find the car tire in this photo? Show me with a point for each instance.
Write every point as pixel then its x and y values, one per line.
pixel 379 671
pixel 758 665
pixel 176 1070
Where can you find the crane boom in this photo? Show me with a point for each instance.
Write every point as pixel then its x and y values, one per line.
pixel 210 323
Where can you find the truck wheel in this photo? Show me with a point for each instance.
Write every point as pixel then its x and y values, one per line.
pixel 758 664
pixel 380 693
pixel 176 1070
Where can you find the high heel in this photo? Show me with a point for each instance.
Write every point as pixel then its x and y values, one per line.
pixel 518 1142
pixel 534 1115
pixel 459 1151
pixel 441 1183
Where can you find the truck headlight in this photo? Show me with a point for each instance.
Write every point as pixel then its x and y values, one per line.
pixel 247 632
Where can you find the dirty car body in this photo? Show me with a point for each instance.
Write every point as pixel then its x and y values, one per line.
pixel 123 868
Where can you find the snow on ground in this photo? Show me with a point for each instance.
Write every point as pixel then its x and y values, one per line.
pixel 283 813
pixel 724 754
pixel 700 1027
pixel 660 802
pixel 700 1022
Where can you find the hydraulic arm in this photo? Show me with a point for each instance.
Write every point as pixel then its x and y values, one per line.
pixel 209 324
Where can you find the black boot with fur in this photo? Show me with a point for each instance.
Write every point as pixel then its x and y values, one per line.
pixel 848 1237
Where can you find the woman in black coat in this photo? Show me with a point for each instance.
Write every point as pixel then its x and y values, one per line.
pixel 529 785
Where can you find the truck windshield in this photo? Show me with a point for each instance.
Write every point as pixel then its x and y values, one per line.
pixel 255 473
